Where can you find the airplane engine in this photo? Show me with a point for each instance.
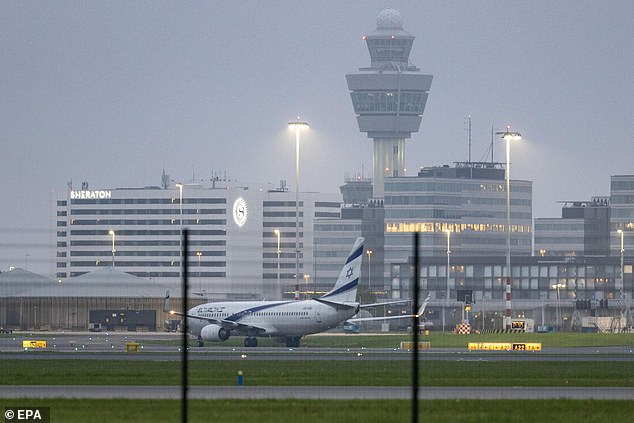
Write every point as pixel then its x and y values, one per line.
pixel 214 333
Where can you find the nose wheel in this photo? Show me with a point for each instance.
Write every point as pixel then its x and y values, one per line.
pixel 250 342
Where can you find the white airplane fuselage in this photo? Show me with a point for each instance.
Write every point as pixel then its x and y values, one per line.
pixel 277 318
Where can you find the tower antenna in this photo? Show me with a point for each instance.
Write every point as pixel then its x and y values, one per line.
pixel 492 135
pixel 468 119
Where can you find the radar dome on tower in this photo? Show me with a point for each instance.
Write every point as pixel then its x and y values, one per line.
pixel 389 19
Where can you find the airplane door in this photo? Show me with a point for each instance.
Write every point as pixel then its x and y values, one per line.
pixel 317 316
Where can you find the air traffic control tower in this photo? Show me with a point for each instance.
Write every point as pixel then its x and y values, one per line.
pixel 389 97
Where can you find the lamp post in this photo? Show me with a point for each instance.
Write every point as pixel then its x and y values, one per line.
pixel 111 233
pixel 180 222
pixel 621 233
pixel 279 289
pixel 508 136
pixel 298 125
pixel 306 279
pixel 369 253
pixel 200 282
pixel 448 232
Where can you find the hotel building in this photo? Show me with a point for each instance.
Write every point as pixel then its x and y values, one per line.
pixel 233 242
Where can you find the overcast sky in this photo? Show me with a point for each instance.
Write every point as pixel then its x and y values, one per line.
pixel 112 92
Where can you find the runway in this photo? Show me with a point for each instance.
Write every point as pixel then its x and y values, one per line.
pixel 160 346
pixel 316 392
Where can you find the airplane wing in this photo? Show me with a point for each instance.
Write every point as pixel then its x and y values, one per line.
pixel 421 310
pixel 384 303
pixel 369 319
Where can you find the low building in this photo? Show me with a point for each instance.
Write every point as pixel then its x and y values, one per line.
pixel 32 302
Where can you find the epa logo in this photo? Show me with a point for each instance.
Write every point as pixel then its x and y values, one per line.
pixel 27 414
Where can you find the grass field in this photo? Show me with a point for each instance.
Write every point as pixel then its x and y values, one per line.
pixel 276 411
pixel 362 372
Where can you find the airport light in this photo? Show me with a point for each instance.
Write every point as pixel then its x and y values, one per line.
pixel 298 125
pixel 369 254
pixel 508 136
pixel 111 233
pixel 278 234
pixel 621 233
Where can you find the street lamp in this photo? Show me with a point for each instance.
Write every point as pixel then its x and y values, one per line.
pixel 369 253
pixel 448 232
pixel 200 283
pixel 621 233
pixel 279 289
pixel 111 233
pixel 180 221
pixel 306 279
pixel 508 136
pixel 558 314
pixel 298 125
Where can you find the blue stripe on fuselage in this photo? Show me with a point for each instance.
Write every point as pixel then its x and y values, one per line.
pixel 239 315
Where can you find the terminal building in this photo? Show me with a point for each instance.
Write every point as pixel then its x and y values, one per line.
pixel 582 230
pixel 468 201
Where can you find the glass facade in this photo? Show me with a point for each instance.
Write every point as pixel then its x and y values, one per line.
pixel 622 213
pixel 537 283
pixel 388 101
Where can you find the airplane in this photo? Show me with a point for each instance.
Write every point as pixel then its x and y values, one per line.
pixel 284 321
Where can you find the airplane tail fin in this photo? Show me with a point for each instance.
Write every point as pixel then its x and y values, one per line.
pixel 345 290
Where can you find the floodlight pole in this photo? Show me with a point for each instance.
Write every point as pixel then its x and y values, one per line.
pixel 507 136
pixel 298 125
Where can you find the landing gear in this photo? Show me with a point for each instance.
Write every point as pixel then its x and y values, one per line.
pixel 250 342
pixel 293 341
